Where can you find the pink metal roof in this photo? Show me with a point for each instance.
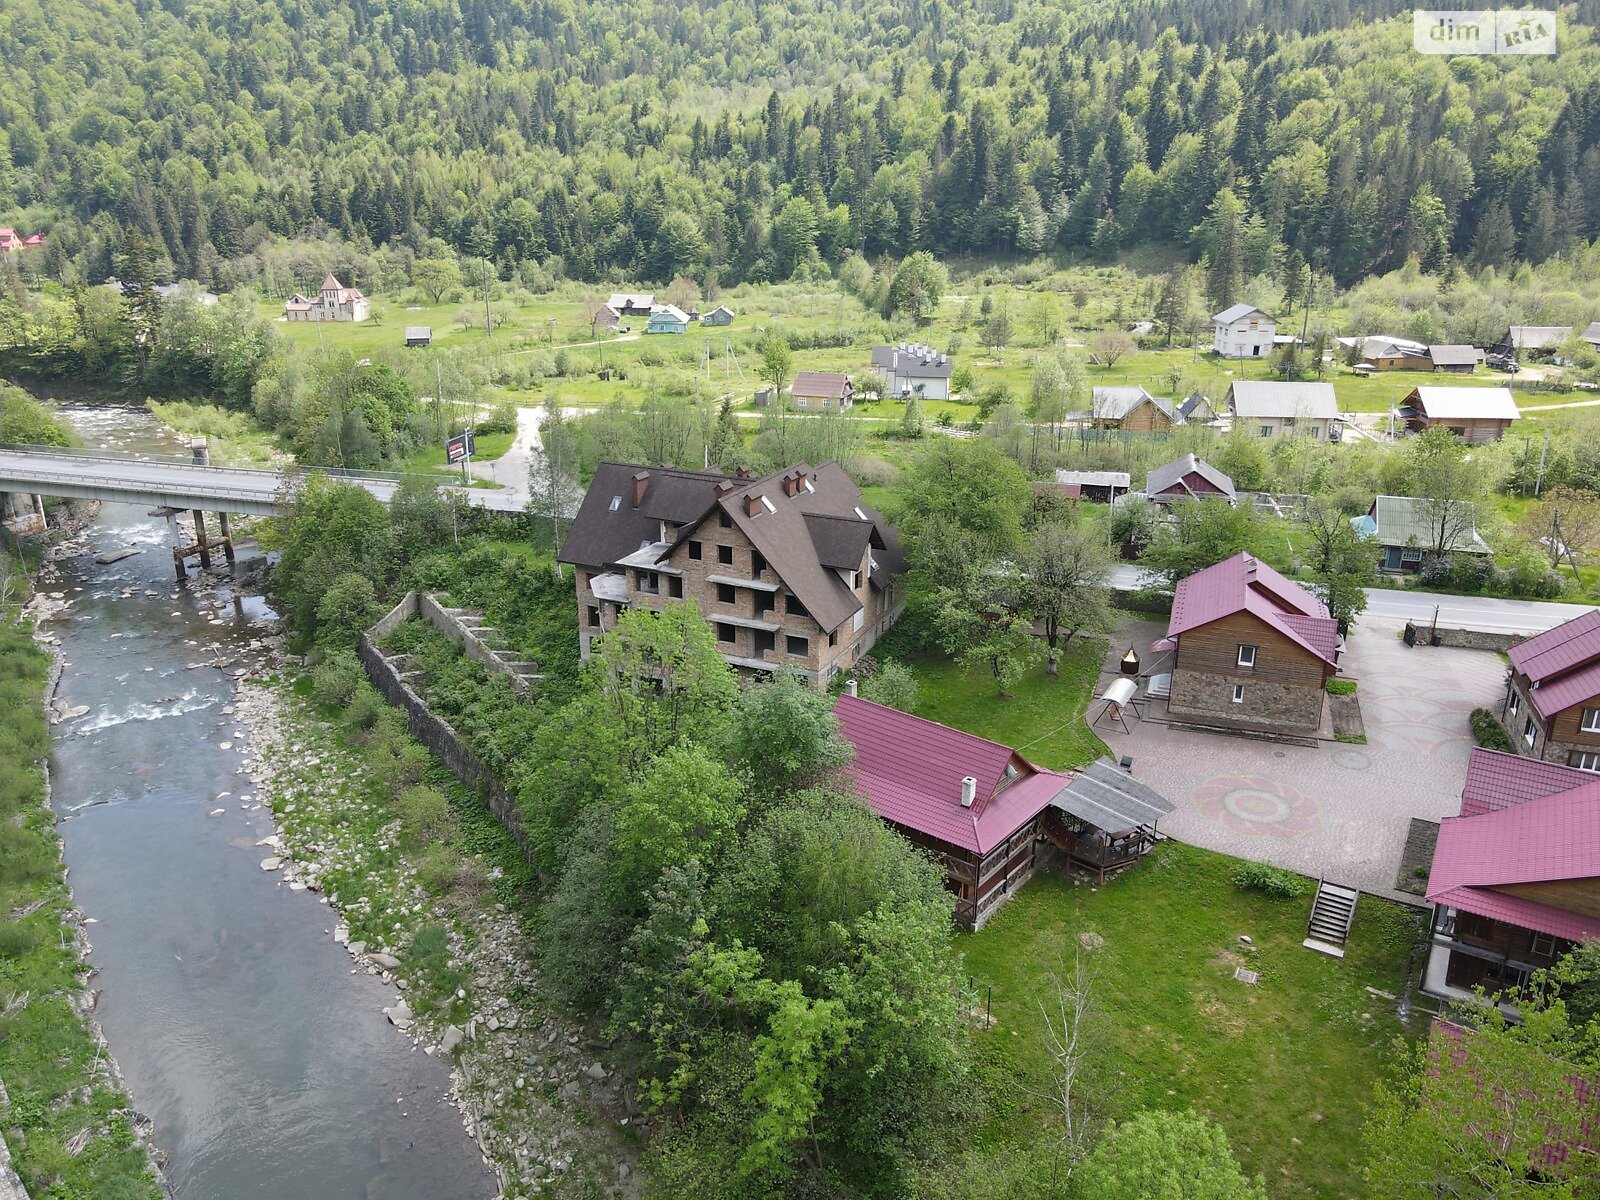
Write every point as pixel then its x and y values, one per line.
pixel 910 771
pixel 1496 779
pixel 1245 584
pixel 1563 663
pixel 1551 838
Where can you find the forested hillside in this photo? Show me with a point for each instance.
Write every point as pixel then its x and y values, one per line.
pixel 755 140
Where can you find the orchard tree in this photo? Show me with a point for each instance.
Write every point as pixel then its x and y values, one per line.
pixel 1109 346
pixel 1201 532
pixel 1482 1104
pixel 917 287
pixel 1448 486
pixel 435 276
pixel 1064 571
pixel 1176 1156
pixel 1342 563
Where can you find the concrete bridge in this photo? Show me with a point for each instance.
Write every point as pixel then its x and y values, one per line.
pixel 173 483
pixel 173 486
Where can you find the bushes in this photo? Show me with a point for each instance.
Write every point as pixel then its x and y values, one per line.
pixel 1270 881
pixel 1487 730
pixel 502 420
pixel 1341 687
pixel 425 816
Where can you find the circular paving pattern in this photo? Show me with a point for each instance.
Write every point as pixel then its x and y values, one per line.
pixel 1257 806
pixel 1352 760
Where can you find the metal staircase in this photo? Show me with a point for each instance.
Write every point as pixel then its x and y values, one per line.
pixel 1332 913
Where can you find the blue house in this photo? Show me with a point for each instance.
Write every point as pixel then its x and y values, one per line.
pixel 667 318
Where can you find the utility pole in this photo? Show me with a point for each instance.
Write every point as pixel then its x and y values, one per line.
pixel 488 324
pixel 1538 484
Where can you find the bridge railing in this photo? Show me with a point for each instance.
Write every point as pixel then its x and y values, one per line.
pixel 177 460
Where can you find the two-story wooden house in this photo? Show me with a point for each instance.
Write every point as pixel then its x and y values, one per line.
pixel 792 570
pixel 1515 880
pixel 1552 704
pixel 1251 649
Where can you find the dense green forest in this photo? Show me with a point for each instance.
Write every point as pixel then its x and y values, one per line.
pixel 751 141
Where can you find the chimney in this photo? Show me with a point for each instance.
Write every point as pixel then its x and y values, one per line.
pixel 752 505
pixel 722 489
pixel 849 687
pixel 640 482
pixel 969 791
pixel 791 483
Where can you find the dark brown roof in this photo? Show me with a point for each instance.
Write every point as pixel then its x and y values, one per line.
pixel 832 384
pixel 604 532
pixel 809 523
pixel 840 541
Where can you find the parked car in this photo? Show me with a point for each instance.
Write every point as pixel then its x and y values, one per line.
pixel 1502 362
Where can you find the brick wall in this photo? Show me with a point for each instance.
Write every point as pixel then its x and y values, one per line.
pixel 820 661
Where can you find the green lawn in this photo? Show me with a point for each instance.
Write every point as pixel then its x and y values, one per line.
pixel 432 458
pixel 1042 718
pixel 1287 1065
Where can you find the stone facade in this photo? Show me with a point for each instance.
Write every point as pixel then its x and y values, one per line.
pixel 1268 707
pixel 1561 738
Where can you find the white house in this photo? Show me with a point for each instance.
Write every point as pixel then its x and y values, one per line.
pixel 1243 331
pixel 912 368
pixel 1264 408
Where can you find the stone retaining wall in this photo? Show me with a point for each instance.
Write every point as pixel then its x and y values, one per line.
pixel 460 627
pixel 433 731
pixel 1469 639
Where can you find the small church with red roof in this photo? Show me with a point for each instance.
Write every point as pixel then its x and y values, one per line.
pixel 1252 650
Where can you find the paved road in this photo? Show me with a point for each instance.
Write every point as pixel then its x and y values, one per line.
pixel 215 489
pixel 1484 613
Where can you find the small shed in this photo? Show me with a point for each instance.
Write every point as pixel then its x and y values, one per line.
pixel 1097 487
pixel 720 315
pixel 1455 359
pixel 1197 409
pixel 418 336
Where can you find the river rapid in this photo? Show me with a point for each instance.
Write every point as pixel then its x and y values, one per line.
pixel 242 1028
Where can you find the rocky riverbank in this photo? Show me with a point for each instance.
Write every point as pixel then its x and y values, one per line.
pixel 534 1091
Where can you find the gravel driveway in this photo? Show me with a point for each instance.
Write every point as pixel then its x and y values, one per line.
pixel 1333 810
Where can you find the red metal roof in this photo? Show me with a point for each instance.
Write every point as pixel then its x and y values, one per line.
pixel 910 771
pixel 1551 838
pixel 1496 779
pixel 1563 663
pixel 1245 584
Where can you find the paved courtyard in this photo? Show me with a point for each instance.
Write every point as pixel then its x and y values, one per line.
pixel 1334 810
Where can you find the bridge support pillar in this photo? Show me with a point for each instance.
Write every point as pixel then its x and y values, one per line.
pixel 175 532
pixel 200 542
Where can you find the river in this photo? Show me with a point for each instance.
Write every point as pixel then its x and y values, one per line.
pixel 241 1026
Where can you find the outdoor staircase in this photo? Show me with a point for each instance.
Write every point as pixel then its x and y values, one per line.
pixel 1332 913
